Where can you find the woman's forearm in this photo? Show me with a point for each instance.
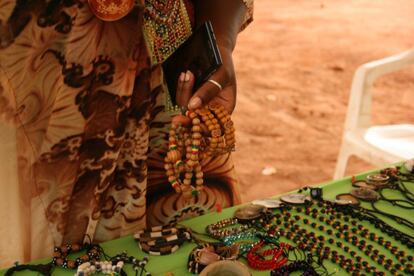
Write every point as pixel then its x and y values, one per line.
pixel 226 16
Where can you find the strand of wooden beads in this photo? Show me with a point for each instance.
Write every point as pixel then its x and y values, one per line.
pixel 105 267
pixel 187 146
pixel 213 126
pixel 227 124
pixel 174 165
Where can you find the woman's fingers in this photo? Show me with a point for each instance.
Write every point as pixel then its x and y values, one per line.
pixel 184 88
pixel 208 91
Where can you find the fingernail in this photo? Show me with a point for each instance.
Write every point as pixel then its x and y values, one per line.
pixel 187 76
pixel 194 103
pixel 182 76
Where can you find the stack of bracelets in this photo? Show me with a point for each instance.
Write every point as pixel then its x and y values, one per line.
pixel 194 136
pixel 162 240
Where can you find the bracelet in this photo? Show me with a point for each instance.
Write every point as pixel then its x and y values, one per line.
pixel 218 230
pixel 61 253
pixel 258 261
pixel 162 240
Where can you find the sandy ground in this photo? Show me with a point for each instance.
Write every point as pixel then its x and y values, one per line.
pixel 295 65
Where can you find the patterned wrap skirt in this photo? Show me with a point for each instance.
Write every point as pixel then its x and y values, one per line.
pixel 84 132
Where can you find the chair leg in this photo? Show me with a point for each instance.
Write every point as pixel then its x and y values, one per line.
pixel 341 162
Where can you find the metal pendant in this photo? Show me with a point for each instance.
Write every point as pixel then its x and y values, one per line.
pixel 295 198
pixel 271 203
pixel 111 10
pixel 250 212
pixel 365 194
pixel 378 180
pixel 347 199
pixel 364 184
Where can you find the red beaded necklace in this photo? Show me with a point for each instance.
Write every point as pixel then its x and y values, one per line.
pixel 258 261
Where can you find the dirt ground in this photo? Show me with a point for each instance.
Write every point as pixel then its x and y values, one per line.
pixel 294 65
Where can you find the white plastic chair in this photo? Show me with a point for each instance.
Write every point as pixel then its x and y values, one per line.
pixel 379 145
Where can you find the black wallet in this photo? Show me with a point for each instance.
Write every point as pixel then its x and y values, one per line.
pixel 199 54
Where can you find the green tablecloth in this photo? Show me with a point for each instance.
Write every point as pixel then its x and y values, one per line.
pixel 176 262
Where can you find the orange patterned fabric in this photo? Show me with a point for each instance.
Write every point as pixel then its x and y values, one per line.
pixel 83 132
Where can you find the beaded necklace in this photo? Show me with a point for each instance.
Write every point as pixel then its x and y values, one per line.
pixel 347 235
pixel 167 25
pixel 335 221
pixel 309 241
pixel 188 145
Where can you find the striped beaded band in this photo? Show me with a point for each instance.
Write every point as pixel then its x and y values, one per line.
pixel 162 240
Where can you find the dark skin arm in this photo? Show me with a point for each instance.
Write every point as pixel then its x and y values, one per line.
pixel 226 17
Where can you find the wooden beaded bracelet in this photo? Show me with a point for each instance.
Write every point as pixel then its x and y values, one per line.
pixel 220 229
pixel 60 255
pixel 162 240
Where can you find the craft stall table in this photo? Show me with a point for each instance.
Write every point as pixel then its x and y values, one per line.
pixel 176 263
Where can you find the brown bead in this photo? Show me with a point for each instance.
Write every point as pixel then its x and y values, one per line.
pixel 76 247
pixel 173 155
pixel 71 264
pixel 59 261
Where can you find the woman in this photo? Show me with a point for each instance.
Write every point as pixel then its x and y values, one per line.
pixel 84 118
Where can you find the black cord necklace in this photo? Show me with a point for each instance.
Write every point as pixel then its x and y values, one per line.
pixel 44 269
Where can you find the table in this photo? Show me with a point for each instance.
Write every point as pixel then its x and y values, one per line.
pixel 177 262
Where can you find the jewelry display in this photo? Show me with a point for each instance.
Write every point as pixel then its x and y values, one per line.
pixel 347 228
pixel 389 178
pixel 309 241
pixel 349 232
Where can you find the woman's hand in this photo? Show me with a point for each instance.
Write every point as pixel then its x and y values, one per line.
pixel 210 92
